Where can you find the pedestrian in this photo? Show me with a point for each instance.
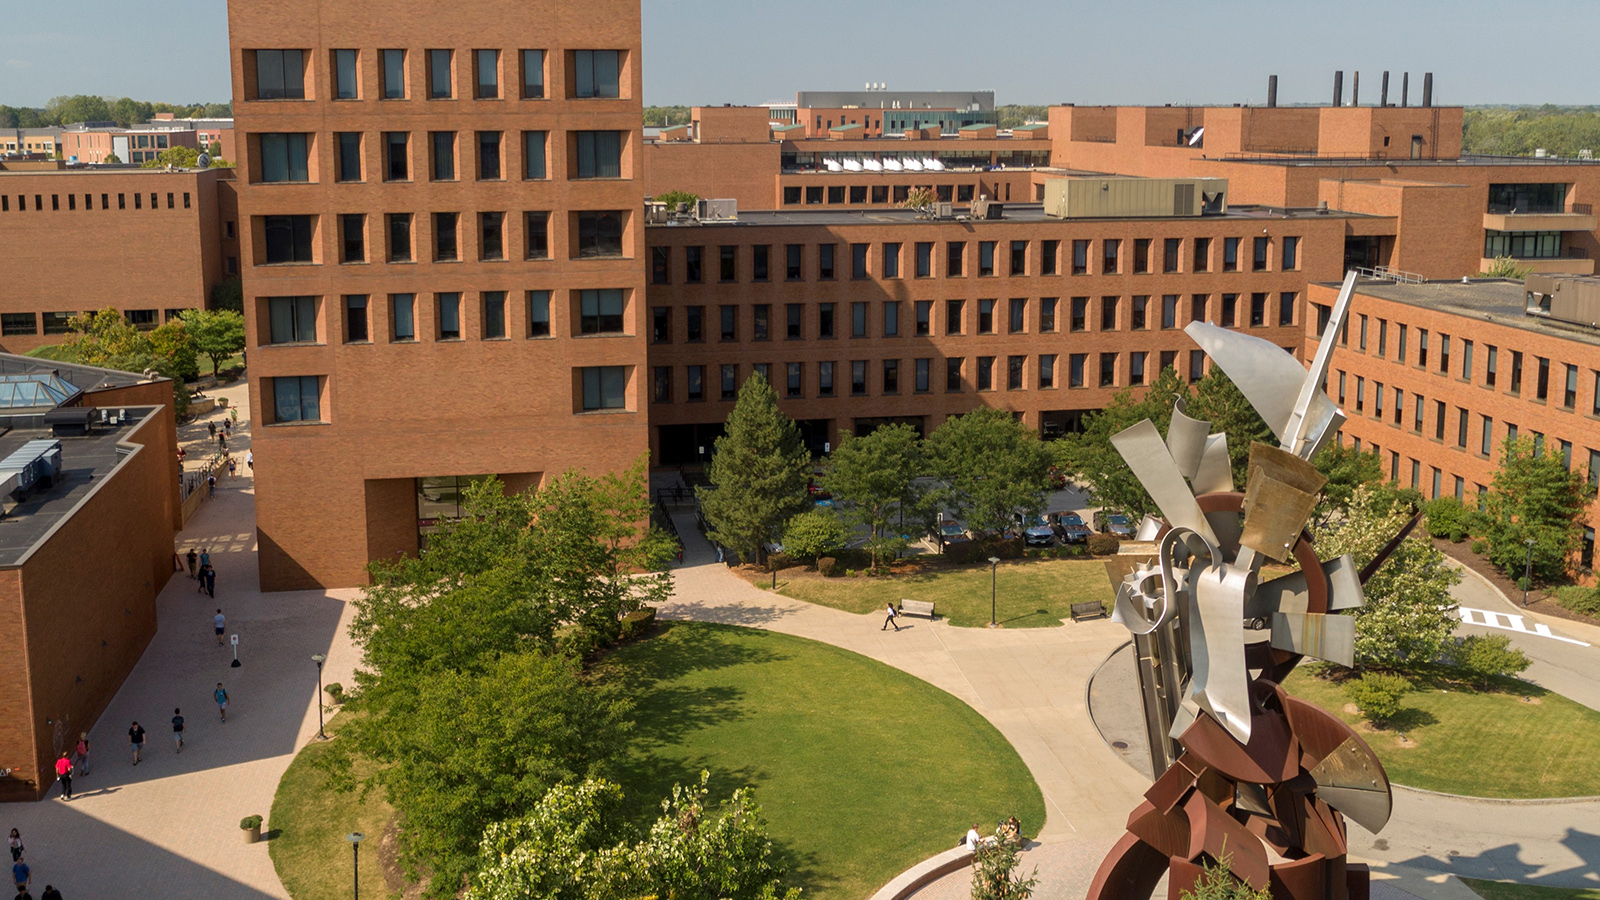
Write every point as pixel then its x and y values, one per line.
pixel 81 753
pixel 21 875
pixel 64 774
pixel 227 426
pixel 212 427
pixel 211 582
pixel 177 729
pixel 233 467
pixel 201 578
pixel 15 843
pixel 220 622
pixel 194 560
pixel 222 443
pixel 182 453
pixel 233 414
pixel 211 486
pixel 50 893
pixel 222 702
pixel 205 557
pixel 136 740
pixel 250 461
pixel 890 619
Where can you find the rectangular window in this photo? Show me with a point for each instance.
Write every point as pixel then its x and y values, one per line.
pixel 728 319
pixel 1444 354
pixel 1569 397
pixel 924 313
pixel 1361 395
pixel 924 259
pixel 923 376
pixel 1047 371
pixel 283 158
pixel 295 399
pixel 760 262
pixel 1049 251
pixel 661 324
pixel 1110 248
pixel 442 146
pixel 1594 484
pixel 1080 314
pixel 1400 354
pixel 353 235
pixel 793 313
pixel 985 259
pixel 1466 360
pixel 600 234
pixel 955 254
pixel 858 378
pixel 1230 311
pixel 761 322
pixel 1171 248
pixel 1362 342
pixel 1416 413
pixel 441 85
pixel 1019 257
pixel 399 237
pixel 346 83
pixel 1258 260
pixel 491 236
pixel 1383 337
pixel 355 319
pixel 605 387
pixel 1291 254
pixel 1141 256
pixel 858 260
pixel 891 376
pixel 534 149
pixel 537 227
pixel 403 317
pixel 1108 369
pixel 396 160
pixel 1108 313
pixel 1399 405
pixel 489 156
pixel 1018 316
pixel 1202 254
pixel 986 317
pixel 693 264
pixel 985 373
pixel 697 382
pixel 858 320
pixel 824 379
pixel 891 260
pixel 1486 436
pixel 891 318
pixel 445 239
pixel 1286 308
pixel 1377 400
pixel 280 75
pixel 1075 366
pixel 795 257
pixel 1438 420
pixel 952 375
pixel 487 64
pixel 1230 254
pixel 1258 312
pixel 954 313
pixel 448 307
pixel 1461 427
pixel 1197 307
pixel 694 321
pixel 293 320
pixel 794 386
pixel 825 320
pixel 727 264
pixel 1422 347
pixel 597 73
pixel 1169 311
pixel 599 154
pixel 1080 257
pixel 601 311
pixel 288 239
pixel 1541 386
pixel 1516 371
pixel 349 156
pixel 1197 365
pixel 1139 319
pixel 661 386
pixel 532 74
pixel 1014 372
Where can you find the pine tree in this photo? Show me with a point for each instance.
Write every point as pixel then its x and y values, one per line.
pixel 758 475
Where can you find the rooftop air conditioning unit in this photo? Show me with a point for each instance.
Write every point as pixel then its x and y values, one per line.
pixel 717 210
pixel 945 210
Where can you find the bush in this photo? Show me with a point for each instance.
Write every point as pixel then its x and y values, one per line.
pixel 854 559
pixel 814 533
pixel 777 562
pixel 249 822
pixel 1103 544
pixel 1378 695
pixel 335 692
pixel 1584 600
pixel 1484 658
pixel 637 624
pixel 1447 517
pixel 968 552
pixel 580 641
pixel 829 567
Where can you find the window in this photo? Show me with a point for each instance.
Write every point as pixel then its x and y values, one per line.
pixel 891 260
pixel 1383 337
pixel 1197 307
pixel 1048 253
pixel 1108 313
pixel 858 378
pixel 791 195
pixel 448 308
pixel 1569 398
pixel 1258 313
pixel 395 161
pixel 1286 314
pixel 825 320
pixel 661 324
pixel 1258 260
pixel 1108 369
pixel 795 255
pixel 1019 257
pixel 1110 248
pixel 1541 389
pixel 891 376
pixel 1080 314
pixel 1171 248
pixel 283 158
pixel 1047 371
pixel 1444 354
pixel 295 399
pixel 955 253
pixel 288 239
pixel 494 315
pixel 1202 254
pixel 440 84
pixel 693 264
pixel 1169 311
pixel 487 64
pixel 954 312
pixel 353 234
pixel 604 387
pixel 760 258
pixel 1416 413
pixel 445 240
pixel 26 323
pixel 1230 254
pixel 1516 371
pixel 1422 347
pixel 1197 364
pixel 1461 427
pixel 355 319
pixel 1139 319
pixel 793 314
pixel 1014 369
pixel 985 373
pixel 533 155
pixel 442 146
pixel 661 385
pixel 1362 342
pixel 346 84
pixel 924 313
pixel 538 314
pixel 491 236
pixel 597 73
pixel 1400 355
pixel 537 226
pixel 891 318
pixel 1438 420
pixel 1594 403
pixel 922 368
pixel 601 311
pixel 729 321
pixel 1594 483
pixel 403 317
pixel 489 156
pixel 985 259
pixel 1486 442
pixel 924 259
pixel 1047 314
pixel 761 322
pixel 697 379
pixel 349 156
pixel 532 74
pixel 952 375
pixel 858 320
pixel 1075 366
pixel 599 234
pixel 399 237
pixel 824 379
pixel 599 154
pixel 1136 363
pixel 1141 256
pixel 1399 405
pixel 1466 360
pixel 1018 318
pixel 280 75
pixel 1230 311
pixel 1361 395
pixel 986 317
pixel 1291 254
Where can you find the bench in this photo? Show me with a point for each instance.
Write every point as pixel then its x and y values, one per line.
pixel 916 608
pixel 1091 610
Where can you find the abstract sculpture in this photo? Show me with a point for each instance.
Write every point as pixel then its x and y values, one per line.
pixel 1257 769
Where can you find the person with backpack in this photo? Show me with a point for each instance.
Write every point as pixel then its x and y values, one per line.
pixel 177 729
pixel 80 762
pixel 890 619
pixel 222 701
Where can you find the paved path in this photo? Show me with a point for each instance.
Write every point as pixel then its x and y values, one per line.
pixel 170 827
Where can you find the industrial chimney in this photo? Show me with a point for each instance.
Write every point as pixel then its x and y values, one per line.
pixel 1272 90
pixel 1405 88
pixel 1427 89
pixel 1338 88
pixel 1383 94
pixel 1355 88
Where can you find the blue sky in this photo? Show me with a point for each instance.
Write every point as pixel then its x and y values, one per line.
pixel 1028 51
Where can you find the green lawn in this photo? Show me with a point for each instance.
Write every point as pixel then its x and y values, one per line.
pixel 308 827
pixel 1034 593
pixel 1506 890
pixel 862 770
pixel 1483 744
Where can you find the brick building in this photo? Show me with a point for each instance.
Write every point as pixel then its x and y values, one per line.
pixel 135 145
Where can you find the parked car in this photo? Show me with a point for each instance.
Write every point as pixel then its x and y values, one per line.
pixel 1038 532
pixel 1114 523
pixel 1070 528
pixel 1058 481
pixel 952 532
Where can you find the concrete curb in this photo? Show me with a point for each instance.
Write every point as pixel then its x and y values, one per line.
pixel 1469 572
pixel 1504 801
pixel 924 873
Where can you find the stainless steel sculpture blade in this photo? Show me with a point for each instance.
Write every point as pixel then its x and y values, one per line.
pixel 1303 430
pixel 1215 475
pixel 1147 456
pixel 1273 382
pixel 1186 440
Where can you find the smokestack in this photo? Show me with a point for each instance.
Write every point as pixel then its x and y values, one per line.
pixel 1405 88
pixel 1272 90
pixel 1383 95
pixel 1355 88
pixel 1427 89
pixel 1338 88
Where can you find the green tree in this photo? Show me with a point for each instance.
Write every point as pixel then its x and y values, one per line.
pixel 991 467
pixel 1090 458
pixel 814 533
pixel 1377 695
pixel 1408 614
pixel 77 108
pixel 664 116
pixel 228 294
pixel 105 338
pixel 218 334
pixel 177 157
pixel 874 481
pixel 1505 267
pixel 995 876
pixel 1219 401
pixel 758 475
pixel 1217 882
pixel 173 347
pixel 215 150
pixel 1346 469
pixel 127 111
pixel 1485 657
pixel 111 159
pixel 1534 497
pixel 677 199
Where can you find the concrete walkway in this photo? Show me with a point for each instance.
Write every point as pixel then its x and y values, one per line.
pixel 170 826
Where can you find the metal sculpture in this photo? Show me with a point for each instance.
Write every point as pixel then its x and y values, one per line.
pixel 1242 767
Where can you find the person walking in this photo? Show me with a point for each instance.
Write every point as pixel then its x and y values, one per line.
pixel 15 843
pixel 200 588
pixel 50 893
pixel 220 622
pixel 890 619
pixel 212 427
pixel 211 486
pixel 205 557
pixel 233 414
pixel 21 875
pixel 193 559
pixel 222 702
pixel 64 774
pixel 211 582
pixel 222 443
pixel 227 427
pixel 233 467
pixel 177 729
pixel 81 754
pixel 136 740
pixel 250 461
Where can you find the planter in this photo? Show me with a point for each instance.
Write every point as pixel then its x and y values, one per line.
pixel 251 835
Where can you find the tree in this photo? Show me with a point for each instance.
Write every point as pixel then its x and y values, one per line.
pixel 218 334
pixel 173 348
pixel 1534 497
pixel 1485 657
pixel 77 108
pixel 1408 615
pixel 874 479
pixel 1092 460
pixel 215 150
pixel 1505 267
pixel 106 338
pixel 1377 695
pixel 814 533
pixel 1219 401
pixel 677 199
pixel 994 873
pixel 992 467
pixel 758 475
pixel 111 159
pixel 1346 469
pixel 228 294
pixel 177 157
pixel 1217 882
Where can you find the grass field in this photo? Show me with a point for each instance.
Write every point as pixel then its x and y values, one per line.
pixel 1481 744
pixel 1505 890
pixel 1028 593
pixel 862 770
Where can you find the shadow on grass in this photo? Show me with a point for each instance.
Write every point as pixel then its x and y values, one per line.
pixel 1410 719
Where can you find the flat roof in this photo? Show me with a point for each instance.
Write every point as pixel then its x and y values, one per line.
pixel 1501 301
pixel 101 169
pixel 84 378
pixel 1352 161
pixel 1013 213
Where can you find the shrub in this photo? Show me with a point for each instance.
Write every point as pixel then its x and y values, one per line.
pixel 637 623
pixel 995 875
pixel 1219 883
pixel 249 822
pixel 335 692
pixel 814 533
pixel 1484 658
pixel 1447 517
pixel 829 567
pixel 777 562
pixel 1103 544
pixel 967 552
pixel 579 641
pixel 1585 600
pixel 1378 694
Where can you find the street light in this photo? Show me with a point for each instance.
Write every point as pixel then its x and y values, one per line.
pixel 319 659
pixel 994 568
pixel 1527 572
pixel 355 838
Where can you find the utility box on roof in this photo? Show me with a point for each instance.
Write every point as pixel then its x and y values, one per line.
pixel 1118 198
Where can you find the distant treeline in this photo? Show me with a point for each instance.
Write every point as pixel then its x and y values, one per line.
pixel 124 111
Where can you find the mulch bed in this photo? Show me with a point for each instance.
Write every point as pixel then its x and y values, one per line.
pixel 1538 600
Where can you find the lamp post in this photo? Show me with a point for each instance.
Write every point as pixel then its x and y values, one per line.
pixel 319 659
pixel 355 838
pixel 994 569
pixel 1527 572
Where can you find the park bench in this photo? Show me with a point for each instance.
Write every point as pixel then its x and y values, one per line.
pixel 916 608
pixel 1092 610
